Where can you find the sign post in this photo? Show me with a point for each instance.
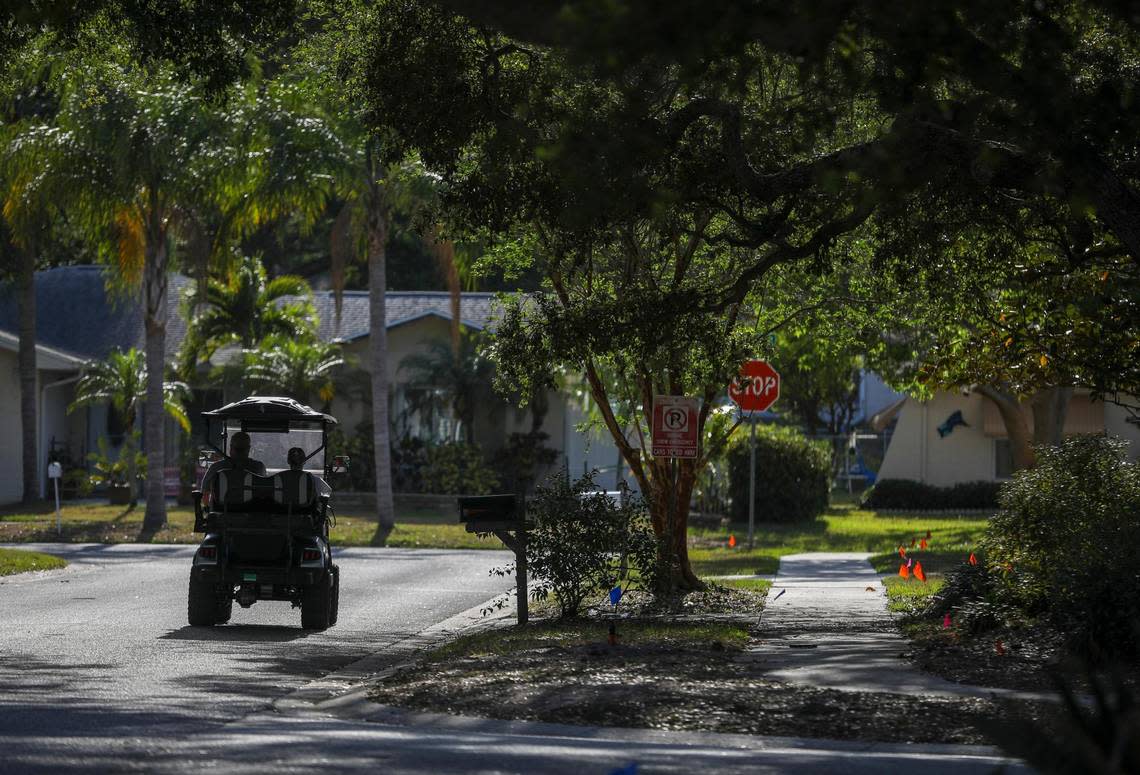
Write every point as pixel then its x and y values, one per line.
pixel 754 390
pixel 55 472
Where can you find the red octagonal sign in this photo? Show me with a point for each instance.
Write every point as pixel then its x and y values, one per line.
pixel 757 387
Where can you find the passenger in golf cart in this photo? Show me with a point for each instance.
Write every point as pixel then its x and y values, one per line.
pixel 265 511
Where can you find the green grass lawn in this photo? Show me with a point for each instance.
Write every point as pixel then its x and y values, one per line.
pixel 20 561
pixel 843 528
pixel 100 523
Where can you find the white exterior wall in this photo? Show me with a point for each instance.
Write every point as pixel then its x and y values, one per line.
pixel 1115 424
pixel 967 454
pixel 11 461
pixel 917 452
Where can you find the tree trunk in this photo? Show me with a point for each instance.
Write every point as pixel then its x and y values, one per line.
pixel 154 415
pixel 1050 407
pixel 27 367
pixel 1016 426
pixel 668 492
pixel 378 352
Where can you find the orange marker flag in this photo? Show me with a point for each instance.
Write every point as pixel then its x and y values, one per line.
pixel 973 560
pixel 904 572
pixel 922 544
pixel 919 573
pixel 731 541
pixel 902 551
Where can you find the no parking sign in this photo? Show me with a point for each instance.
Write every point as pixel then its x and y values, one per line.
pixel 675 426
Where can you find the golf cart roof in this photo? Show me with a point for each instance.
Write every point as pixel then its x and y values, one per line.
pixel 270 408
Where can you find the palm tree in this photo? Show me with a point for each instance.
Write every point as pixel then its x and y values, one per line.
pixel 121 382
pixel 244 308
pixel 29 190
pixel 374 191
pixel 145 149
pixel 297 368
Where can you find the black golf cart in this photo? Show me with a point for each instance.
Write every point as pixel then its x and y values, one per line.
pixel 267 529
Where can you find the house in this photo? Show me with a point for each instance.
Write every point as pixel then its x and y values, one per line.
pixel 56 373
pixel 933 444
pixel 78 320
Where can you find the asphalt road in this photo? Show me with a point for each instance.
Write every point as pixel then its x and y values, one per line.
pixel 98 668
pixel 99 673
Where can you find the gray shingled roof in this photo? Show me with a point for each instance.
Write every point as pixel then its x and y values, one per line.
pixel 75 313
pixel 476 311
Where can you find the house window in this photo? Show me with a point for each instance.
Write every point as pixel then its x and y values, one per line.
pixel 1003 459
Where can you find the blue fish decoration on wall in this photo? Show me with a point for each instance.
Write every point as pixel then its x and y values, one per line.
pixel 952 422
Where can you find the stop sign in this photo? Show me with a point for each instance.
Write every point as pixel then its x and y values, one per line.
pixel 757 387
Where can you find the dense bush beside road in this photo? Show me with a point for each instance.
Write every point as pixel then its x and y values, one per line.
pixel 1062 550
pixel 793 475
pixel 918 496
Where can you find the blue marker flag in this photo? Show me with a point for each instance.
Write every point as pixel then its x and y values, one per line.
pixel 615 596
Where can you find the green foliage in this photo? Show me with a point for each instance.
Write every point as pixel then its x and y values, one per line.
pixel 919 496
pixel 1064 544
pixel 299 368
pixel 584 542
pixel 120 382
pixel 359 448
pixel 455 468
pixel 522 459
pixel 76 480
pixel 244 307
pixel 793 475
pixel 113 469
pixel 819 379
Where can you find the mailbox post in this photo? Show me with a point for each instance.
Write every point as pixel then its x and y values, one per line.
pixel 505 516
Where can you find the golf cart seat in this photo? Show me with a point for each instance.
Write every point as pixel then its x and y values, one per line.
pixel 294 489
pixel 233 487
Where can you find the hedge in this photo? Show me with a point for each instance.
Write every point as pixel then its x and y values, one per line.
pixel 909 494
pixel 793 475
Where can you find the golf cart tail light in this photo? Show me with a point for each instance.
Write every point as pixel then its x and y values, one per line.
pixel 208 553
pixel 310 555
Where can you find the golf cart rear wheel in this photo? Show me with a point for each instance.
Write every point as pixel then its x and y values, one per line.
pixel 202 604
pixel 223 609
pixel 316 604
pixel 335 595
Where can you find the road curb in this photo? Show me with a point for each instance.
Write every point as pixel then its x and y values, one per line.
pixel 340 689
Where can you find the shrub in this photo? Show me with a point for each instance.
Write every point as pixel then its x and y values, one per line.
pixel 1064 544
pixel 793 475
pixel 583 540
pixel 909 494
pixel 455 468
pixel 359 448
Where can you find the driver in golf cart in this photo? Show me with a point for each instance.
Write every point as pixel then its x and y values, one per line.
pixel 237 459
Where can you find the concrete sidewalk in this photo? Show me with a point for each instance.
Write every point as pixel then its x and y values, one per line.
pixel 826 624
